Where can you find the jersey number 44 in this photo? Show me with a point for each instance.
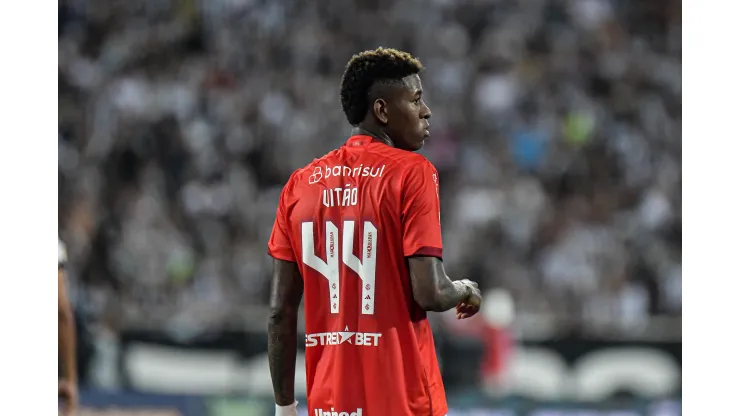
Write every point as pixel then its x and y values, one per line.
pixel 363 266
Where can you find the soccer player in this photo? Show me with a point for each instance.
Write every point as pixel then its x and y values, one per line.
pixel 67 342
pixel 357 233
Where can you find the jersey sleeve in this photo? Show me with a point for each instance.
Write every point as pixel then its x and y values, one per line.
pixel 420 216
pixel 279 246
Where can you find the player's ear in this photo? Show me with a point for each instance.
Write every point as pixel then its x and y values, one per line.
pixel 380 110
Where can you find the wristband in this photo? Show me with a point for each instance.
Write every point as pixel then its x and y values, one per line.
pixel 466 286
pixel 289 410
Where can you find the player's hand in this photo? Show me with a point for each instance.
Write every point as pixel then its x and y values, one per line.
pixel 471 305
pixel 70 397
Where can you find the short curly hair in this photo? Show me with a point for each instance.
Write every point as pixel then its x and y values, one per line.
pixel 367 68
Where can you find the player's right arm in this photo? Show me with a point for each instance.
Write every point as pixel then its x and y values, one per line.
pixel 286 291
pixel 432 289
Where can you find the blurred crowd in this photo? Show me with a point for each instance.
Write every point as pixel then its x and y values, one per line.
pixel 556 131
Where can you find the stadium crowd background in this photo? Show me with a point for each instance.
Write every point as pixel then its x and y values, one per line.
pixel 556 132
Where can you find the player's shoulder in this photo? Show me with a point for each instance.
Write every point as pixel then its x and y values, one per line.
pixel 403 162
pixel 306 175
pixel 420 162
pixel 411 163
pixel 306 172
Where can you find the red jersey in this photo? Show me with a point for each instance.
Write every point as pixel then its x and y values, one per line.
pixel 350 220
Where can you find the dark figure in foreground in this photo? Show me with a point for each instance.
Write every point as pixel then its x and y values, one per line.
pixel 67 342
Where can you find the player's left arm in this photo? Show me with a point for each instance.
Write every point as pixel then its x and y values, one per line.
pixel 432 289
pixel 285 297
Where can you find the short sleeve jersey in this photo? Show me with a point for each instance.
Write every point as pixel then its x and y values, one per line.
pixel 350 220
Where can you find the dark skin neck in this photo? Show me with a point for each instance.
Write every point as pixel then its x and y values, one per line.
pixel 371 129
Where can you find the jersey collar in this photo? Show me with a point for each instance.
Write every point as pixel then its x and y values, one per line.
pixel 362 140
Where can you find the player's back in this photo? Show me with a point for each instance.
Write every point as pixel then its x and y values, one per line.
pixel 369 346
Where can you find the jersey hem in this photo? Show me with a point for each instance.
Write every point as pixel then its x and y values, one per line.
pixel 427 251
pixel 280 256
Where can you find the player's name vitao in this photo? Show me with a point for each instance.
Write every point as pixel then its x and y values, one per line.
pixel 340 197
pixel 332 412
pixel 324 172
pixel 362 339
